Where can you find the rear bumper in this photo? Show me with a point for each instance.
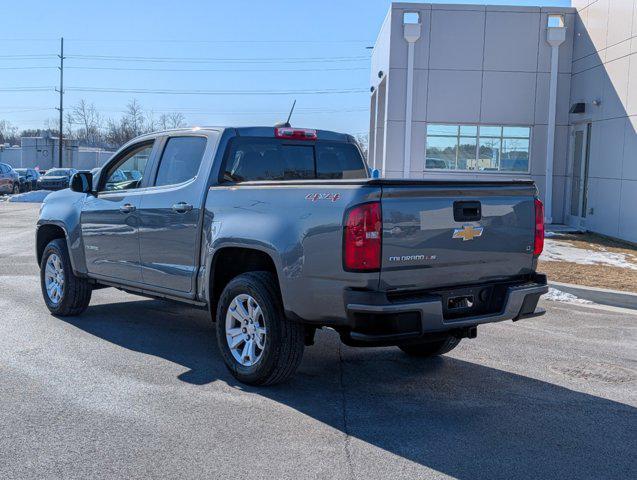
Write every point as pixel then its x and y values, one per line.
pixel 377 322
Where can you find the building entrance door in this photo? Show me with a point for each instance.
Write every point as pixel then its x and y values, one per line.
pixel 578 175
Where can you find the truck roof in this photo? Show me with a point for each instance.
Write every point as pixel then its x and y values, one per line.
pixel 261 131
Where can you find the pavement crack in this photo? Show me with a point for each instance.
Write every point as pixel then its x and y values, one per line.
pixel 348 438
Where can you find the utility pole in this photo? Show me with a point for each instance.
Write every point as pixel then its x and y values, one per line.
pixel 61 109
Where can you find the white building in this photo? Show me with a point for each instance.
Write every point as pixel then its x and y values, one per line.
pixel 545 93
pixel 42 152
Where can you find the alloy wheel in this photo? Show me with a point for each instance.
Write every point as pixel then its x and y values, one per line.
pixel 54 278
pixel 245 330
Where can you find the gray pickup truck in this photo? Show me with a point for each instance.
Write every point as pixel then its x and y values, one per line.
pixel 280 231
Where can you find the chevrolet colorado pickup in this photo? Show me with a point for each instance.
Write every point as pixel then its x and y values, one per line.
pixel 280 231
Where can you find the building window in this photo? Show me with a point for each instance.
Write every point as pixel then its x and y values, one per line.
pixel 478 148
pixel 555 21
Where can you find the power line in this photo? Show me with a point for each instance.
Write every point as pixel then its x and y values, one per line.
pixel 29 57
pixel 26 89
pixel 34 67
pixel 26 110
pixel 183 41
pixel 260 60
pixel 213 92
pixel 217 41
pixel 217 70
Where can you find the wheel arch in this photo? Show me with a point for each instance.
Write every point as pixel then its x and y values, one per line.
pixel 231 261
pixel 46 233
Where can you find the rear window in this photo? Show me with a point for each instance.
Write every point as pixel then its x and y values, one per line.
pixel 338 161
pixel 251 159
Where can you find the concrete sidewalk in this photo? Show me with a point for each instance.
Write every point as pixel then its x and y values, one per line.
pixel 603 296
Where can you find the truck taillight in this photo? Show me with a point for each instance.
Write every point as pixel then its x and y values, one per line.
pixel 295 133
pixel 362 238
pixel 538 244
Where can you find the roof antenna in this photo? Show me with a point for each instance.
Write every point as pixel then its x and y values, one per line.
pixel 287 123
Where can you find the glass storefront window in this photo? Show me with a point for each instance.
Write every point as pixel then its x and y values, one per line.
pixel 482 148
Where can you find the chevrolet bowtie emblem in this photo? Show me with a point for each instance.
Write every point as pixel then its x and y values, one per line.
pixel 467 232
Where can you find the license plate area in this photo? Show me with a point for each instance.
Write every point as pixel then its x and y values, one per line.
pixel 472 301
pixel 460 302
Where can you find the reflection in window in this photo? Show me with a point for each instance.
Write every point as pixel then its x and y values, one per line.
pixel 483 148
pixel 128 174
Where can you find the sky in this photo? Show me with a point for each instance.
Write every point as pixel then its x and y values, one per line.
pixel 261 54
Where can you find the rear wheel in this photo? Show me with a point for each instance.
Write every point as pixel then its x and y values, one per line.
pixel 63 292
pixel 16 188
pixel 259 345
pixel 431 349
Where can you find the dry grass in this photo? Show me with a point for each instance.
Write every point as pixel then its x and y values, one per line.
pixel 602 276
pixel 591 241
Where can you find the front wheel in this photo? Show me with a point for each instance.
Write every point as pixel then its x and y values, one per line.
pixel 15 189
pixel 431 349
pixel 63 292
pixel 259 345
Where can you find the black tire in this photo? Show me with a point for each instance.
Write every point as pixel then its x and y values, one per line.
pixel 284 344
pixel 16 188
pixel 76 291
pixel 431 349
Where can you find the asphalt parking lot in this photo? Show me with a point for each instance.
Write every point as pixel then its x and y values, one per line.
pixel 135 388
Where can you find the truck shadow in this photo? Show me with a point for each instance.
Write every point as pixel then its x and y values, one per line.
pixel 459 418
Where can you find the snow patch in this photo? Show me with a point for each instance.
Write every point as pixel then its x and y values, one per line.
pixel 556 295
pixel 36 196
pixel 560 251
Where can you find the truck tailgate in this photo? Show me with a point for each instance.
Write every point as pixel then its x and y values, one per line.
pixel 449 233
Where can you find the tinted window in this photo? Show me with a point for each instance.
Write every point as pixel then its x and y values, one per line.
pixel 271 159
pixel 3 169
pixel 59 172
pixel 128 172
pixel 339 161
pixel 256 159
pixel 180 160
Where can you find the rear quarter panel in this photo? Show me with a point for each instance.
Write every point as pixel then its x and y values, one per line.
pixel 300 226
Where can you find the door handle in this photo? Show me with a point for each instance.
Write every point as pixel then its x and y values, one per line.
pixel 127 208
pixel 182 207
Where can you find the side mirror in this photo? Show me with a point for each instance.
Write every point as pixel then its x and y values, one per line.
pixel 82 182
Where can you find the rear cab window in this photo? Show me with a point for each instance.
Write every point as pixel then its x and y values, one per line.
pixel 255 159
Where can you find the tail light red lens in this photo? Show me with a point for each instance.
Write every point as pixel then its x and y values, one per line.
pixel 538 244
pixel 363 238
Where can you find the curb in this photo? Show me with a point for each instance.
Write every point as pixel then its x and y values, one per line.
pixel 602 296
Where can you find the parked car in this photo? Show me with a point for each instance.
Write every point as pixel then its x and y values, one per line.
pixel 9 179
pixel 56 179
pixel 437 163
pixel 28 179
pixel 279 231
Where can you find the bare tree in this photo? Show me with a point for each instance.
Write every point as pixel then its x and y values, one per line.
pixel 52 126
pixel 8 133
pixel 92 129
pixel 150 122
pixel 90 121
pixel 172 120
pixel 363 142
pixel 134 118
